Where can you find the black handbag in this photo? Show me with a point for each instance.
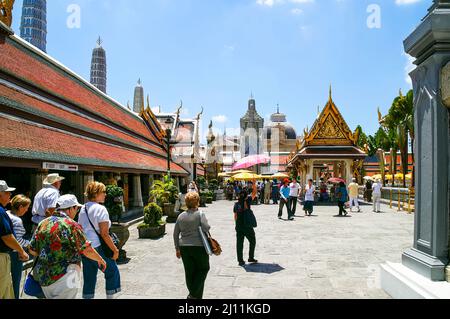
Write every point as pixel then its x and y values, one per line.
pixel 106 250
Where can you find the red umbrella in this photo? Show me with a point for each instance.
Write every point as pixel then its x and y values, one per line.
pixel 336 180
pixel 250 161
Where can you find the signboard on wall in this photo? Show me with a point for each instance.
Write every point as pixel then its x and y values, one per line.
pixel 60 167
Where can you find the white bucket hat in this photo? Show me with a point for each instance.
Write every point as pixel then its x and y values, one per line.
pixel 5 188
pixel 67 201
pixel 52 179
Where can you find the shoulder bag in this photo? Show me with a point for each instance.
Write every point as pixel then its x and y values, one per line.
pixel 212 246
pixel 32 287
pixel 106 250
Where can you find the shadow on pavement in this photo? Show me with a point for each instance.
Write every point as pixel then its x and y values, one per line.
pixel 263 268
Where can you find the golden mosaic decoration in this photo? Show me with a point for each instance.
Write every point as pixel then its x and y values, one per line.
pixel 6 8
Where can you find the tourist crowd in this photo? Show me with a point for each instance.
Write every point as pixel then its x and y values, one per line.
pixel 64 250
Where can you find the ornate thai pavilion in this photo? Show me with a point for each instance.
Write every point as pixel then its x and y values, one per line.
pixel 329 149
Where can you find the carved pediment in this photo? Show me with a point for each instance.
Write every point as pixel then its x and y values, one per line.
pixel 330 129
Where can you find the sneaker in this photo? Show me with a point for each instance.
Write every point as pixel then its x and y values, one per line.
pixel 291 219
pixel 253 261
pixel 242 263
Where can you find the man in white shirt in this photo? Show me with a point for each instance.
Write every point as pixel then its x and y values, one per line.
pixel 377 187
pixel 293 196
pixel 310 190
pixel 45 201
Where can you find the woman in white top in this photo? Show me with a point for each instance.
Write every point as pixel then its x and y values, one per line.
pixel 309 198
pixel 95 214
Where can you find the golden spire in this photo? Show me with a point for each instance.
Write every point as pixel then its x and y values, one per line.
pixel 6 8
pixel 331 94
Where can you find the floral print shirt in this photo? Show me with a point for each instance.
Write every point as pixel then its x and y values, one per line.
pixel 59 241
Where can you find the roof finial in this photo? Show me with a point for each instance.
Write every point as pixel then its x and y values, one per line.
pixel 139 81
pixel 99 41
pixel 278 108
pixel 251 96
pixel 331 93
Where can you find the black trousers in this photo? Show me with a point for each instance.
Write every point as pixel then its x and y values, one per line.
pixel 342 210
pixel 288 206
pixel 241 234
pixel 293 205
pixel 196 268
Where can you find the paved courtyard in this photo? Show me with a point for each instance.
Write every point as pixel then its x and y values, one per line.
pixel 316 257
pixel 312 257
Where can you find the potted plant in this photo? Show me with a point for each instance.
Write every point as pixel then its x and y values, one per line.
pixel 214 187
pixel 205 197
pixel 114 205
pixel 165 193
pixel 153 226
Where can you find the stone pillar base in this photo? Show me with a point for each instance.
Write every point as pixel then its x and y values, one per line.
pixel 400 282
pixel 428 266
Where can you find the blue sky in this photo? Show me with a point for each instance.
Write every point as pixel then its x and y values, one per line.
pixel 214 53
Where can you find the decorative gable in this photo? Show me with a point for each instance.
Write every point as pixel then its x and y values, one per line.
pixel 331 129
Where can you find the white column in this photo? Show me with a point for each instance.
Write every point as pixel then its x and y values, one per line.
pixel 87 178
pixel 310 173
pixel 137 191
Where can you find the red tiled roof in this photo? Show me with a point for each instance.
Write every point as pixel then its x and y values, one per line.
pixel 27 67
pixel 62 114
pixel 19 137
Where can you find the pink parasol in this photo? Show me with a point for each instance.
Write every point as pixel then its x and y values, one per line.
pixel 250 161
pixel 336 180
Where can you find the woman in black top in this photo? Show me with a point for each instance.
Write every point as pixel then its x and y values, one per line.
pixel 243 229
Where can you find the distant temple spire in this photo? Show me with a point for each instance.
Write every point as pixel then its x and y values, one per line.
pixel 33 27
pixel 98 67
pixel 138 102
pixel 331 93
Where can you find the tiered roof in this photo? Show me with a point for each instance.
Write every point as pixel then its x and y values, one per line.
pixel 52 114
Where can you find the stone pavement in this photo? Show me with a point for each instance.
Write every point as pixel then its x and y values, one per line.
pixel 316 257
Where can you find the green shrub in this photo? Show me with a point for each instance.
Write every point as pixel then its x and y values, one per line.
pixel 152 216
pixel 164 192
pixel 113 201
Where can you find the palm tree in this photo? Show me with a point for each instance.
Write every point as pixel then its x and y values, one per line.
pixel 401 115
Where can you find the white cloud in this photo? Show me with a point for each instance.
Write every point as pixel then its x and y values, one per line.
pixel 268 3
pixel 220 119
pixel 271 3
pixel 406 2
